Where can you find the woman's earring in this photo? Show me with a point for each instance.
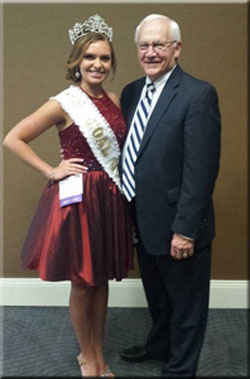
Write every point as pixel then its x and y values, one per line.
pixel 77 74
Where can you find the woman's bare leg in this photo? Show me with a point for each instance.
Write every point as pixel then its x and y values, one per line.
pixel 80 313
pixel 88 308
pixel 99 306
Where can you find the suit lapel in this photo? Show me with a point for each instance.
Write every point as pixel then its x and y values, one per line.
pixel 166 97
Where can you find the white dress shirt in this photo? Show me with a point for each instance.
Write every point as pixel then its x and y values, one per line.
pixel 159 85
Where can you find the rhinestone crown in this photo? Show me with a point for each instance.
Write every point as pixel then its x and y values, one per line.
pixel 94 24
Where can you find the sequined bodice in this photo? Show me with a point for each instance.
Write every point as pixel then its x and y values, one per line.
pixel 75 145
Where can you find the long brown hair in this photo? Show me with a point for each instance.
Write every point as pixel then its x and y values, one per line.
pixel 78 51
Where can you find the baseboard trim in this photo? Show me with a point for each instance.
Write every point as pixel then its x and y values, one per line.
pixel 128 293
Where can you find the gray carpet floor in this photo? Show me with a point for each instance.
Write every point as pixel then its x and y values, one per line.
pixel 39 341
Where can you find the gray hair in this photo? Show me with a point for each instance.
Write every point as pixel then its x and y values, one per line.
pixel 175 33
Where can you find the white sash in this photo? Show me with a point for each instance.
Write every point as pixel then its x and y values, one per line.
pixel 94 127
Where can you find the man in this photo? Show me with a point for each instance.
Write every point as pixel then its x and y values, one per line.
pixel 169 166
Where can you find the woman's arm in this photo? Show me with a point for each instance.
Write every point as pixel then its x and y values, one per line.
pixel 30 128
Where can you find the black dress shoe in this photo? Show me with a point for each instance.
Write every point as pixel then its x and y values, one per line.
pixel 135 354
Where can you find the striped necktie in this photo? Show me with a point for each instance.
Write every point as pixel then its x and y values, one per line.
pixel 133 145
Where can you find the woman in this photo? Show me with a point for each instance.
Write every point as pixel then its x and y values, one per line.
pixel 84 237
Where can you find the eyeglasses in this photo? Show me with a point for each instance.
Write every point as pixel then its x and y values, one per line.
pixel 157 46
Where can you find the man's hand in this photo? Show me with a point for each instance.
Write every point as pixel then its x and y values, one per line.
pixel 181 247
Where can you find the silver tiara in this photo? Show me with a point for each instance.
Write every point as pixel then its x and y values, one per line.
pixel 95 24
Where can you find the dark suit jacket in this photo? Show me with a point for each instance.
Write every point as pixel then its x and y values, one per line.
pixel 178 161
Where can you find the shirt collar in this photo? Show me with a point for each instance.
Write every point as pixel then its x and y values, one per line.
pixel 161 81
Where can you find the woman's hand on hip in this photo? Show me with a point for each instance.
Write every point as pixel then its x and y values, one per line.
pixel 68 167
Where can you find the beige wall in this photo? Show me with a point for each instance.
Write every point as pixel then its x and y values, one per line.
pixel 36 48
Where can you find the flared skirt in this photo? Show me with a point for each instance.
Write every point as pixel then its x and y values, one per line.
pixel 88 242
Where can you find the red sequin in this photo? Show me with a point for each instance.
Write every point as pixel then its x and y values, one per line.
pixel 75 145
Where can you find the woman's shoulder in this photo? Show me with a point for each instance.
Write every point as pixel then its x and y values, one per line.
pixel 114 98
pixel 64 92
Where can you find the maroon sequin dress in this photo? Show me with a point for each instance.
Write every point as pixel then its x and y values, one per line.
pixel 88 242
